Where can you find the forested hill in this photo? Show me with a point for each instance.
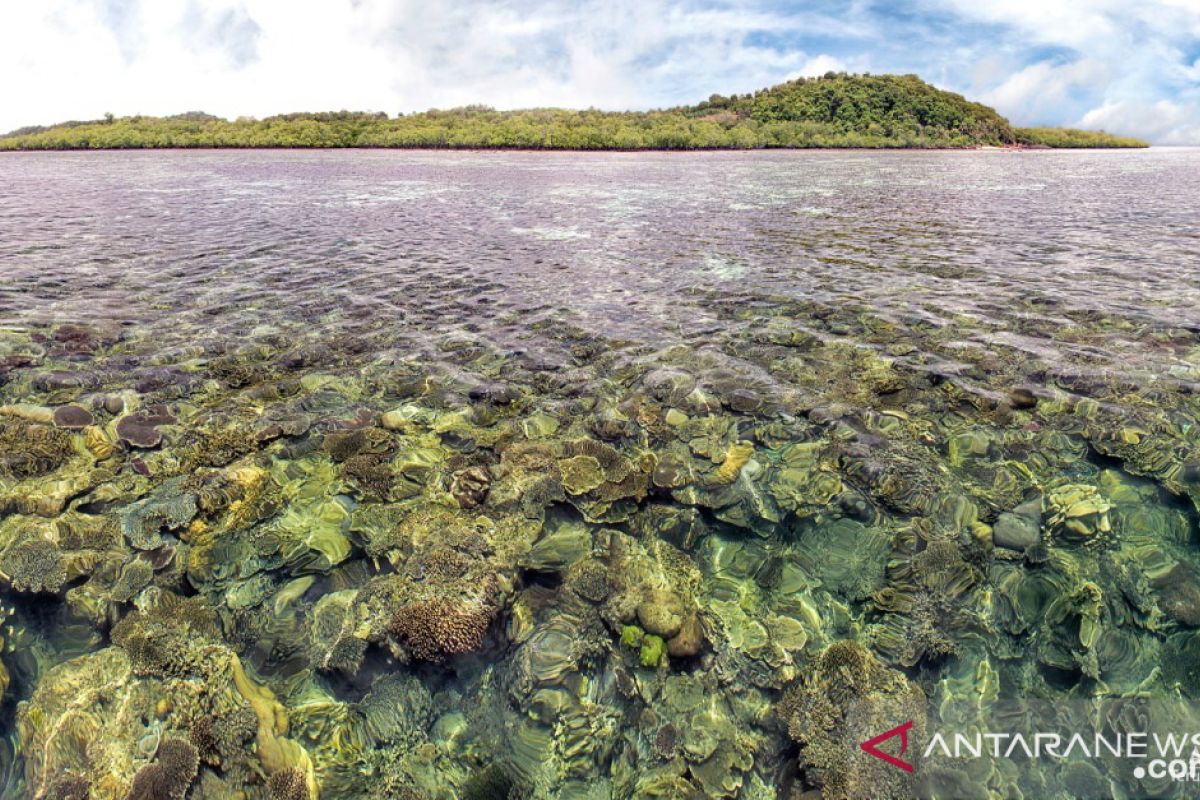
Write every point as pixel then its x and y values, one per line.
pixel 873 106
pixel 836 110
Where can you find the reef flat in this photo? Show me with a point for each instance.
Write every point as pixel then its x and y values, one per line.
pixel 439 476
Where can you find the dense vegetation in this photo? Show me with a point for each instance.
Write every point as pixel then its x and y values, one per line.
pixel 836 110
pixel 1072 137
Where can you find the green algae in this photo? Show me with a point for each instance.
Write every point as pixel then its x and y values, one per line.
pixel 631 636
pixel 653 651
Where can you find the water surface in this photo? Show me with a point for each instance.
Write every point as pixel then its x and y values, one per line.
pixel 941 405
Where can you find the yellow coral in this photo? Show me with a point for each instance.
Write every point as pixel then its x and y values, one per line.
pixel 735 458
pixel 580 474
pixel 98 442
pixel 28 412
pixel 275 750
pixel 252 481
pixel 249 477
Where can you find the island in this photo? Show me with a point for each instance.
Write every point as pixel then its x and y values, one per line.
pixel 835 110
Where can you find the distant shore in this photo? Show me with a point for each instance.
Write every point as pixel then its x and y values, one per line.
pixel 52 143
pixel 837 111
pixel 518 149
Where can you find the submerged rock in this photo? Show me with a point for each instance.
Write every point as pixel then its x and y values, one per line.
pixel 1179 595
pixel 72 417
pixel 689 641
pixel 140 429
pixel 1020 528
pixel 661 613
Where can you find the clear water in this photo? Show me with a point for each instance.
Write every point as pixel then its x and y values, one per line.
pixel 916 349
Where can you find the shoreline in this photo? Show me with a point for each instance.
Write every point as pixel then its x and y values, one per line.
pixel 837 111
pixel 503 149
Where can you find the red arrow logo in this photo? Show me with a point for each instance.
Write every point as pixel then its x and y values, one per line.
pixel 871 746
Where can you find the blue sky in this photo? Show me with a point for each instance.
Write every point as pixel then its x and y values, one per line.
pixel 1126 66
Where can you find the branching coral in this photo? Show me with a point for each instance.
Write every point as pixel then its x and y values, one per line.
pixel 361 441
pixel 849 697
pixel 370 474
pixel 34 565
pixel 288 784
pixel 203 736
pixel 28 450
pixel 169 777
pixel 443 564
pixel 165 637
pixel 67 787
pixel 435 629
pixel 220 739
pixel 342 446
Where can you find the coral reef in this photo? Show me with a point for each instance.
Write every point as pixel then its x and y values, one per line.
pixel 469 486
pixel 435 629
pixel 288 784
pixel 73 418
pixel 167 635
pixel 736 457
pixel 848 698
pixel 67 787
pixel 33 564
pixel 169 776
pixel 141 428
pixel 30 450
pixel 361 555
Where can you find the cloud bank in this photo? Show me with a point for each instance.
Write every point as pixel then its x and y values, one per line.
pixel 1131 68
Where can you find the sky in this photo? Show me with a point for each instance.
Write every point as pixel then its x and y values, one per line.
pixel 1127 66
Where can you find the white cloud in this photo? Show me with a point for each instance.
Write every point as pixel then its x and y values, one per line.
pixel 1039 61
pixel 821 64
pixel 1130 67
pixel 82 58
pixel 1040 90
pixel 1162 121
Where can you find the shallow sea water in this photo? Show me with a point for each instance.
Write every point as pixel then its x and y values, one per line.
pixel 437 475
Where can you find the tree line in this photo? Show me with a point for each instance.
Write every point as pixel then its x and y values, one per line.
pixel 836 110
